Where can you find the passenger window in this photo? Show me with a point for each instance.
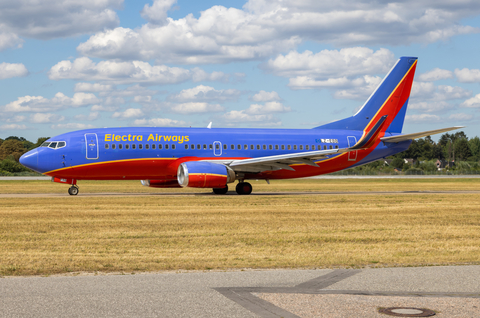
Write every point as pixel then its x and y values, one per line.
pixel 153 146
pixel 294 147
pixel 252 147
pixel 217 146
pixel 147 146
pixel 331 147
pixel 120 146
pixel 205 146
pixel 127 146
pixel 173 146
pixel 140 146
pixel 324 147
pixel 313 147
pixel 199 146
pixel 264 147
pixel 134 146
pixel 276 147
pixel 166 146
pixel 224 146
pixel 270 147
pixel 160 146
pixel 239 147
pixel 210 146
pixel 113 146
pixel 319 147
pixel 289 147
pixel 283 147
pixel 245 147
pixel 192 146
pixel 307 147
pixel 106 146
pixel 258 147
pixel 232 147
pixel 186 146
pixel 336 146
pixel 301 147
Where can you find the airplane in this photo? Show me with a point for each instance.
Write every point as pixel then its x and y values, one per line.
pixel 216 157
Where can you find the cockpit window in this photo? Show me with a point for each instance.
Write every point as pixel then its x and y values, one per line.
pixel 54 144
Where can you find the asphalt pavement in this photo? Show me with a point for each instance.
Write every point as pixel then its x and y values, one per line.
pixel 450 291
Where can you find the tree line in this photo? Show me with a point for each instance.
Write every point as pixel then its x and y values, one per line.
pixel 457 148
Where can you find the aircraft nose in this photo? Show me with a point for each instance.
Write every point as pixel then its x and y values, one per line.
pixel 30 159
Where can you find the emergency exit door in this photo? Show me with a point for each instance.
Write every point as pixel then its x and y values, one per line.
pixel 91 142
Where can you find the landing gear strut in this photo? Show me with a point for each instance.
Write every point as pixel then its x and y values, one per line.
pixel 243 188
pixel 73 190
pixel 220 190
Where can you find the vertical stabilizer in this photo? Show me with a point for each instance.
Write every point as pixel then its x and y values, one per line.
pixel 390 98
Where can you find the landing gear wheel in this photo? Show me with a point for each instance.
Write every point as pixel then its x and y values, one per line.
pixel 220 190
pixel 244 188
pixel 73 190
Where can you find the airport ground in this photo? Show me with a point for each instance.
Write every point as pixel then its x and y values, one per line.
pixel 122 227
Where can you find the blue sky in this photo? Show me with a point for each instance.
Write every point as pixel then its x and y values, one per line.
pixel 68 65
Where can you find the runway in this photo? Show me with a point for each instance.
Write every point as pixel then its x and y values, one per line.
pixel 167 194
pixel 450 291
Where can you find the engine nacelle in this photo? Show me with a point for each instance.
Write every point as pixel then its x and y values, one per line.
pixel 160 183
pixel 201 174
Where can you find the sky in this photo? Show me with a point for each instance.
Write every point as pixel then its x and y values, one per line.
pixel 67 64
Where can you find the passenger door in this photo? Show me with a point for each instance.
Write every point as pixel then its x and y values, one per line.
pixel 217 148
pixel 91 142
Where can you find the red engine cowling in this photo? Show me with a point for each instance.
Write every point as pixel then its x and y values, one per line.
pixel 160 183
pixel 200 174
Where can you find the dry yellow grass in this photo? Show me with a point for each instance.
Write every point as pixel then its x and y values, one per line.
pixel 148 233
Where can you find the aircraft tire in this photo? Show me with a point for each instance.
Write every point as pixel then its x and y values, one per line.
pixel 73 190
pixel 220 190
pixel 244 188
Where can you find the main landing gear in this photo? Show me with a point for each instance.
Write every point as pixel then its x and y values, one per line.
pixel 73 190
pixel 242 188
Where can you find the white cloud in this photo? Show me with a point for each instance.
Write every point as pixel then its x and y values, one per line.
pixel 204 93
pixel 90 117
pixel 129 113
pixel 45 118
pixel 327 64
pixel 128 72
pixel 72 126
pixel 8 70
pixel 268 108
pixel 473 102
pixel 422 118
pixel 14 119
pixel 13 127
pixel 461 117
pixel 264 96
pixel 9 39
pixel 103 108
pixel 436 74
pixel 89 87
pixel 195 108
pixel 262 29
pixel 428 91
pixel 159 122
pixel 468 75
pixel 42 104
pixel 55 18
pixel 157 13
pixel 430 107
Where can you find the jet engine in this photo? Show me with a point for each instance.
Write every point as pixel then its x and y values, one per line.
pixel 200 174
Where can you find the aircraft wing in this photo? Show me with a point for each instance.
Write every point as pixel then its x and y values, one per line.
pixel 278 162
pixel 418 135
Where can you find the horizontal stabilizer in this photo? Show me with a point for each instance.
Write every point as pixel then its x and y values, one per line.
pixel 418 135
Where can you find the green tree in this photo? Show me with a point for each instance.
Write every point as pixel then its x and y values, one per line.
pixel 462 150
pixel 12 147
pixel 474 145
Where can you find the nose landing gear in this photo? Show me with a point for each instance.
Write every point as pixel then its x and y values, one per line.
pixel 73 190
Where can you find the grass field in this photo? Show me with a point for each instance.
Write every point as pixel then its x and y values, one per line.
pixel 48 235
